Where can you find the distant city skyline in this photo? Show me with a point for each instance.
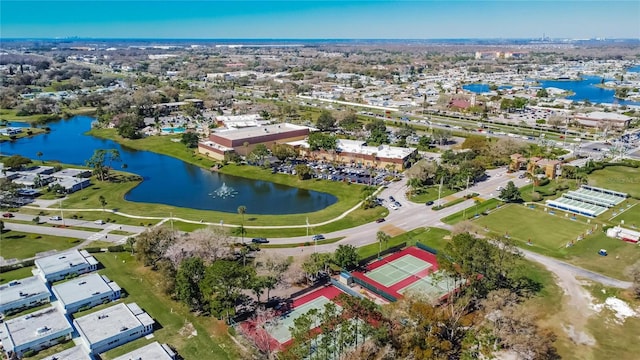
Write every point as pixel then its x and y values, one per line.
pixel 238 19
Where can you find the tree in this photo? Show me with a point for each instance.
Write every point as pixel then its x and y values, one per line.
pixel 259 153
pixel 152 243
pixel 39 155
pixel 325 121
pixel 242 210
pixel 303 171
pixel 223 284
pixel 350 122
pixel 128 125
pixel 378 132
pixel 190 139
pixel 316 263
pixel 511 193
pixel 441 136
pixel 284 152
pixel 382 237
pixel 475 143
pixel 634 272
pixel 542 93
pixel 16 162
pixel 321 141
pixel 346 256
pixel 190 273
pixel 101 161
pixel 103 202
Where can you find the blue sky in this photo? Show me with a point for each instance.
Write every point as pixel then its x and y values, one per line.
pixel 424 19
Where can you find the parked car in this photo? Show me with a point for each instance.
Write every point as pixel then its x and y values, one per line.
pixel 393 206
pixel 392 199
pixel 429 203
pixel 99 222
pixel 380 220
pixel 55 218
pixel 317 237
pixel 8 215
pixel 259 241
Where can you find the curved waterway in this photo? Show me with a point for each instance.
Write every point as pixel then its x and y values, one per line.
pixel 167 180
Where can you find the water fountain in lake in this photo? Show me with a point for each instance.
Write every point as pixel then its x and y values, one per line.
pixel 224 192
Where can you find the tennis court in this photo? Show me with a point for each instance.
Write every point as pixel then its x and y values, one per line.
pixel 433 287
pixel 280 331
pixel 396 270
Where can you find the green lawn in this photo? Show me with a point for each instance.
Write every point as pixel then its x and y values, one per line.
pixel 631 216
pixel 433 237
pixel 211 341
pixel 618 178
pixel 19 245
pixel 621 255
pixel 470 212
pixel 548 233
pixel 430 194
pixel 16 274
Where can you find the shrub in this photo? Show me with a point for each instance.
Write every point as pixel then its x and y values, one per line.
pixel 93 249
pixel 116 248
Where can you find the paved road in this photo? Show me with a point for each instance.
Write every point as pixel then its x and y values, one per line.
pixel 66 232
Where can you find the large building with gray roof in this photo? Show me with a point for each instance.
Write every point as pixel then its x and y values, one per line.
pixel 23 294
pixel 68 263
pixel 114 326
pixel 34 332
pixel 153 351
pixel 85 292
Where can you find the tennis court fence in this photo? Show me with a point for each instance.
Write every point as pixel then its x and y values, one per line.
pixel 424 247
pixel 390 250
pixel 374 289
pixel 346 288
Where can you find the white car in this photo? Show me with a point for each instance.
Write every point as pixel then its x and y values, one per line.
pixel 393 206
pixel 55 218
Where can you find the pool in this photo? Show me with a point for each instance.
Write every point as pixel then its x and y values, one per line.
pixel 173 130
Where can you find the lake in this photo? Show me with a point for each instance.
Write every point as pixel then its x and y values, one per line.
pixel 167 180
pixel 582 89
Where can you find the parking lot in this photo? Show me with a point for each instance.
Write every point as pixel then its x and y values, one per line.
pixel 352 174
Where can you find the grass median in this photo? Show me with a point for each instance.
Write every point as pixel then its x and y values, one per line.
pixel 21 245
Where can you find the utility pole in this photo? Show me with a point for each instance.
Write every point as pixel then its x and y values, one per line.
pixel 61 213
pixel 440 189
pixel 171 220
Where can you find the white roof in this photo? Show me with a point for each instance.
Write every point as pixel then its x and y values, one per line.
pixel 382 151
pixel 84 287
pixel 61 261
pixel 601 115
pixel 251 132
pixel 109 322
pixel 77 352
pixel 30 327
pixel 23 288
pixel 153 351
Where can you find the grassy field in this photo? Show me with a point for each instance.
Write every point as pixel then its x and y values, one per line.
pixel 430 194
pixel 173 318
pixel 19 245
pixel 16 274
pixel 618 178
pixel 470 212
pixel 433 237
pixel 548 233
pixel 631 216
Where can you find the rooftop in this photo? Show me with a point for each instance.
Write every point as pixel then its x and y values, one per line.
pixel 71 172
pixel 63 260
pixel 27 328
pixel 153 351
pixel 83 287
pixel 20 289
pixel 601 115
pixel 251 132
pixel 75 353
pixel 382 151
pixel 109 322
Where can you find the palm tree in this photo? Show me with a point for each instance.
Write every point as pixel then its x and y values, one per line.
pixel 242 210
pixel 381 236
pixel 103 201
pixel 39 155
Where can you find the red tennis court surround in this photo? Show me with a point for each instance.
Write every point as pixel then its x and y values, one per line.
pixel 406 281
pixel 263 339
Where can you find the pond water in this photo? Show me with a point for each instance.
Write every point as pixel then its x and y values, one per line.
pixel 167 180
